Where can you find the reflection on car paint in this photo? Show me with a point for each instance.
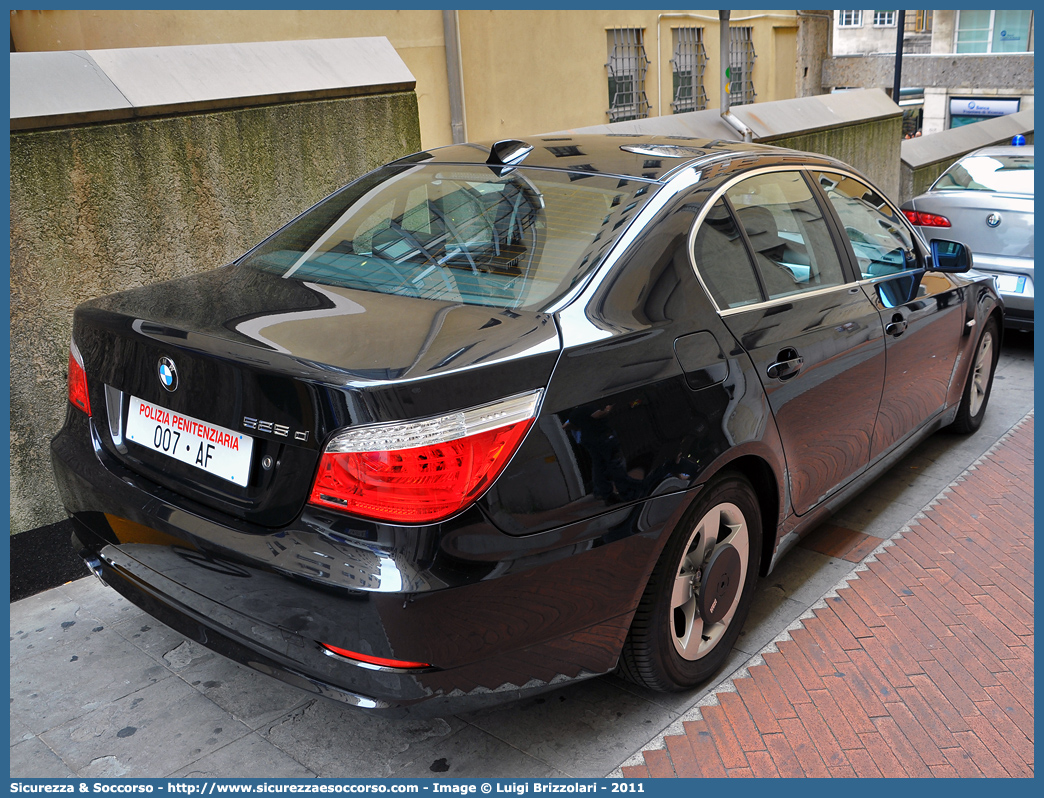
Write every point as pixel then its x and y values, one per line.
pixel 682 346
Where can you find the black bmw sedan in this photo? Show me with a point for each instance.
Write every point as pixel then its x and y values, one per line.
pixel 496 417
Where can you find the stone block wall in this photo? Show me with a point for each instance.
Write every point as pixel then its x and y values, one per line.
pixel 871 147
pixel 99 208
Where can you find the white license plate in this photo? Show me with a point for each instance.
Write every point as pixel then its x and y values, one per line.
pixel 213 449
pixel 1010 283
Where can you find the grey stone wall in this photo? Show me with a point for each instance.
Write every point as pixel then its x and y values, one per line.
pixel 101 208
pixel 871 147
pixel 1008 72
pixel 815 42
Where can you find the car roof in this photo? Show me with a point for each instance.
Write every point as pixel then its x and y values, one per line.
pixel 1007 149
pixel 616 154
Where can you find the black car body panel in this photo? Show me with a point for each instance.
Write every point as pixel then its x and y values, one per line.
pixel 288 370
pixel 648 391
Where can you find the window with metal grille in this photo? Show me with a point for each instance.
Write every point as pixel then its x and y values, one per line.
pixel 627 66
pixel 918 21
pixel 884 19
pixel 741 66
pixel 850 19
pixel 689 64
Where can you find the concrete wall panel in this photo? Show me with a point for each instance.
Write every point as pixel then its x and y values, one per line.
pixel 1012 72
pixel 102 208
pixel 871 147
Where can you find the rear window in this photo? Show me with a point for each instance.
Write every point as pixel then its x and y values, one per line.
pixel 457 233
pixel 1011 174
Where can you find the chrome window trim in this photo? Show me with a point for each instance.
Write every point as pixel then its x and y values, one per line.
pixel 782 300
pixel 720 190
pixel 818 292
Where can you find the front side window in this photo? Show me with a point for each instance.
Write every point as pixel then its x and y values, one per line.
pixel 881 241
pixel 457 233
pixel 787 234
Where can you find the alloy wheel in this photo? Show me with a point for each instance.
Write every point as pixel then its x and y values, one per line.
pixel 715 560
pixel 981 375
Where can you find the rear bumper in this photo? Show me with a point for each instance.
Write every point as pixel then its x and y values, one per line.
pixel 111 568
pixel 1018 318
pixel 1014 280
pixel 515 616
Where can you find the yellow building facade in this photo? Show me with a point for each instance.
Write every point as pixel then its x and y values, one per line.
pixel 518 72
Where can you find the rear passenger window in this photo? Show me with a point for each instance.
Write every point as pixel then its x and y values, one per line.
pixel 787 232
pixel 881 242
pixel 722 260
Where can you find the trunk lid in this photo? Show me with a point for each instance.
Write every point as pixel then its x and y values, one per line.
pixel 284 364
pixel 968 211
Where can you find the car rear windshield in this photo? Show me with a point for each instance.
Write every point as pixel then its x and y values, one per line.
pixel 1011 174
pixel 479 235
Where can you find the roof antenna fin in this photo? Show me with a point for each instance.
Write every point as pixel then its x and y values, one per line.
pixel 507 153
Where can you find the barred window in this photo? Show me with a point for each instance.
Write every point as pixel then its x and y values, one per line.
pixel 741 66
pixel 627 66
pixel 850 19
pixel 884 19
pixel 689 64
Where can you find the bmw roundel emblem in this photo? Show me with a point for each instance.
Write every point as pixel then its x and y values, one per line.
pixel 168 374
pixel 993 219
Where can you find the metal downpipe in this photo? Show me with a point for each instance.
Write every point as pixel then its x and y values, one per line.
pixel 455 77
pixel 724 51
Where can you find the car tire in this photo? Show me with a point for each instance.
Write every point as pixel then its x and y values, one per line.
pixel 977 388
pixel 700 591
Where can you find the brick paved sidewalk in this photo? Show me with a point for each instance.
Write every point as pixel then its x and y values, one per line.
pixel 922 665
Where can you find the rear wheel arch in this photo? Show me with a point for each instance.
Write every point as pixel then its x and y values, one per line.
pixel 700 590
pixel 997 316
pixel 763 479
pixel 768 489
pixel 982 366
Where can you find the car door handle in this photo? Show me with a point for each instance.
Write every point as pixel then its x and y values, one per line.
pixel 788 363
pixel 897 326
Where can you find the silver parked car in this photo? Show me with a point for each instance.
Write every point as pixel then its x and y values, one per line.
pixel 985 201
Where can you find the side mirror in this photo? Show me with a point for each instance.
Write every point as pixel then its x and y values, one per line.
pixel 950 256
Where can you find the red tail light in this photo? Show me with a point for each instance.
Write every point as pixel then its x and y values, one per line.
pixel 78 381
pixel 425 471
pixel 922 219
